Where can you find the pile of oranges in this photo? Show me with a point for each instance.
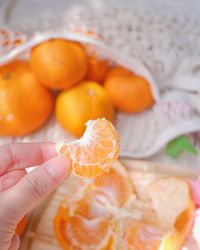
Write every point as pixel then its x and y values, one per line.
pixel 82 85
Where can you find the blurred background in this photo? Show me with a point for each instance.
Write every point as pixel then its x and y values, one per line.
pixel 163 35
pixel 29 9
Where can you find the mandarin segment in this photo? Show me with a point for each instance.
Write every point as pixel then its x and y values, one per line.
pixel 116 185
pixel 88 233
pixel 78 232
pixel 94 153
pixel 142 236
pixel 59 223
pixel 90 209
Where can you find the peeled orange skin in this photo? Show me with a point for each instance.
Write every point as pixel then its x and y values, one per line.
pixel 77 223
pixel 74 107
pixel 70 220
pixel 94 153
pixel 58 63
pixel 25 104
pixel 128 92
pixel 97 69
pixel 176 240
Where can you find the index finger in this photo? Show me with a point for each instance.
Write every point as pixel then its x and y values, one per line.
pixel 24 155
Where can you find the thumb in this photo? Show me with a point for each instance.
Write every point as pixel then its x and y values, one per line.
pixel 196 192
pixel 15 243
pixel 35 186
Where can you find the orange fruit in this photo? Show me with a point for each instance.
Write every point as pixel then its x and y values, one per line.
pixel 118 70
pixel 79 228
pixel 137 235
pixel 94 153
pixel 21 226
pixel 120 188
pixel 97 69
pixel 86 101
pixel 107 214
pixel 128 92
pixel 58 63
pixel 25 104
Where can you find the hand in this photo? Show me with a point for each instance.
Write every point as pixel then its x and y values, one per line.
pixel 196 191
pixel 19 191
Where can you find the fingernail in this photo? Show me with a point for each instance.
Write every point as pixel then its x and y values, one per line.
pixel 196 192
pixel 58 167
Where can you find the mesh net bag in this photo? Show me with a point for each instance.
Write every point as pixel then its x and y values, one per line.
pixel 154 45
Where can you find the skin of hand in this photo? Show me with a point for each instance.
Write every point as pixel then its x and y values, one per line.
pixel 196 191
pixel 21 191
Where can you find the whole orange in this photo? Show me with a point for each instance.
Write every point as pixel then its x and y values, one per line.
pixel 86 101
pixel 59 63
pixel 97 69
pixel 25 104
pixel 128 92
pixel 119 70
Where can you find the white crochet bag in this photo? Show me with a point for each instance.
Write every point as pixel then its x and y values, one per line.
pixel 161 45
